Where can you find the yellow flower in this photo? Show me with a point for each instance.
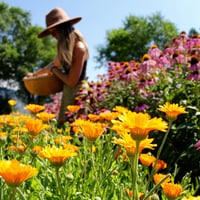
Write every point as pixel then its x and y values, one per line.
pixel 140 124
pixel 45 116
pixel 130 144
pixel 59 130
pixel 20 129
pixel 120 109
pixel 3 136
pixel 57 156
pixel 191 198
pixel 14 172
pixel 34 108
pixel 172 190
pixel 73 108
pixel 172 110
pixel 12 102
pixel 34 126
pixel 94 148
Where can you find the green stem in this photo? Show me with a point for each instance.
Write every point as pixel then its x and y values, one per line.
pixel 197 94
pixel 1 188
pixel 85 159
pixel 83 176
pixel 12 194
pixel 158 155
pixel 20 192
pixel 59 184
pixel 156 186
pixel 26 148
pixel 163 143
pixel 134 168
pixel 95 172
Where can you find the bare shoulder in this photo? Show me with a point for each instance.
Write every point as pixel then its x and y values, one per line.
pixel 80 46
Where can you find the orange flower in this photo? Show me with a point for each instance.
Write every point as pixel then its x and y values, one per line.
pixel 108 116
pixel 20 148
pixel 63 139
pixel 93 117
pixel 45 116
pixel 172 190
pixel 73 108
pixel 140 194
pixel 12 102
pixel 154 46
pixel 12 148
pixel 146 159
pixel 172 110
pixel 140 124
pixel 19 141
pixel 34 126
pixel 71 147
pixel 160 164
pixel 36 149
pixel 34 108
pixel 90 129
pixel 146 57
pixel 57 156
pixel 14 172
pixel 158 177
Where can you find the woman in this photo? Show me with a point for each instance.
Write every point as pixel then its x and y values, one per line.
pixel 72 55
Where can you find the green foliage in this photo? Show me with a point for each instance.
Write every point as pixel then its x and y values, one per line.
pixel 133 40
pixel 20 49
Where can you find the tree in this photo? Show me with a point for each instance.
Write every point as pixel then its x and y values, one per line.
pixel 135 38
pixel 192 31
pixel 20 49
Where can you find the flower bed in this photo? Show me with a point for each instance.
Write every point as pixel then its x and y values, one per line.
pixel 137 142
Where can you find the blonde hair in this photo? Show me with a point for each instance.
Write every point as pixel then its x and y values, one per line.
pixel 67 39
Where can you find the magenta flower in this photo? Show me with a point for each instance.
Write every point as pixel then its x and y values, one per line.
pixel 197 145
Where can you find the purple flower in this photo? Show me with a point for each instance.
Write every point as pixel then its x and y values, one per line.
pixel 141 107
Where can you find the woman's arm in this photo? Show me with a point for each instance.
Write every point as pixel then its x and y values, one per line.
pixel 72 78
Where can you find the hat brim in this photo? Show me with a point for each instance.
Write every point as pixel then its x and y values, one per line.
pixel 46 32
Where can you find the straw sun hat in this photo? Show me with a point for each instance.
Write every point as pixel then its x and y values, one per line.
pixel 55 17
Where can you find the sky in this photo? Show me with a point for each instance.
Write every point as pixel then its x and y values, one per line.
pixel 99 16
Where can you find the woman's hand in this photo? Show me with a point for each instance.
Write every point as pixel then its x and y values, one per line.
pixel 45 69
pixel 29 75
